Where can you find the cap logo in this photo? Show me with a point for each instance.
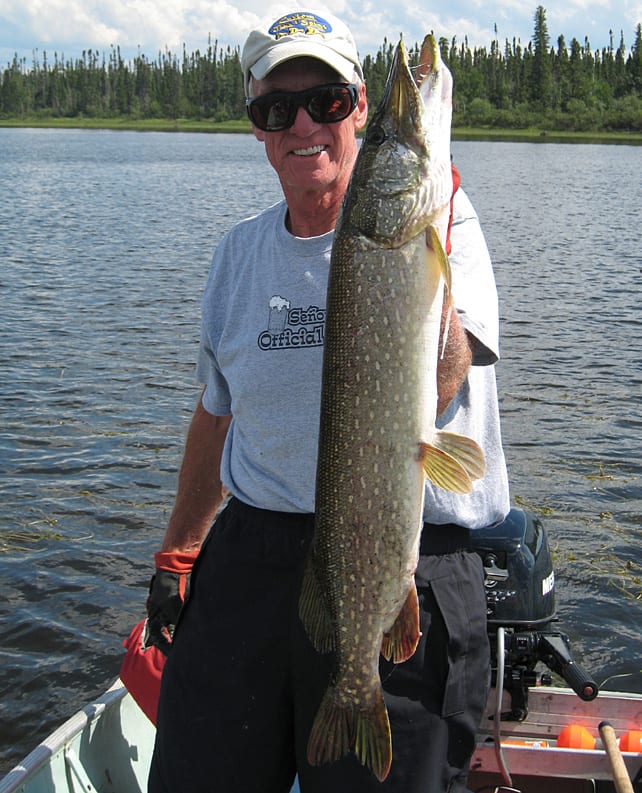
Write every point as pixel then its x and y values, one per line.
pixel 299 22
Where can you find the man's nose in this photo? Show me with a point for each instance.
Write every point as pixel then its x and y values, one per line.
pixel 303 123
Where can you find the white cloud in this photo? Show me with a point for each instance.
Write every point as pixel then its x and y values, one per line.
pixel 71 26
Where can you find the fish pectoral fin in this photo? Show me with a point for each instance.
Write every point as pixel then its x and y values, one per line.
pixel 313 612
pixel 363 727
pixel 465 450
pixel 452 462
pixel 401 641
pixel 434 243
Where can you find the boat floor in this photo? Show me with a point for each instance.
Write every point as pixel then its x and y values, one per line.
pixel 490 782
pixel 530 747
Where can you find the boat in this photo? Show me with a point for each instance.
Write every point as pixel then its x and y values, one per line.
pixel 530 756
pixel 537 733
pixel 106 747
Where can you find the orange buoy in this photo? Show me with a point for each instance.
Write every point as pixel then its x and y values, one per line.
pixel 631 741
pixel 575 736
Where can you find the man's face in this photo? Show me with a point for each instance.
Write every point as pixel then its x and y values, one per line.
pixel 310 156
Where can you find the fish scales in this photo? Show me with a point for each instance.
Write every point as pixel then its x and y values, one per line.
pixel 378 409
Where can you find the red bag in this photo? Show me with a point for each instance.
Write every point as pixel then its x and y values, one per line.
pixel 141 671
pixel 456 184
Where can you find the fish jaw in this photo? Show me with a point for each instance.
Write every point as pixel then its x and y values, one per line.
pixel 435 85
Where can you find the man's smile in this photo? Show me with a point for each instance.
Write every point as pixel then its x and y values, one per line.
pixel 309 151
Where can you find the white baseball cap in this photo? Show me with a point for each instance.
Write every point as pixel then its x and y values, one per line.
pixel 300 34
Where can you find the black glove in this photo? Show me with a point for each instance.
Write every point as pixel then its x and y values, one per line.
pixel 168 591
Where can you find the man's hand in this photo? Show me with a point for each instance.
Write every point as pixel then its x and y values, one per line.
pixel 168 590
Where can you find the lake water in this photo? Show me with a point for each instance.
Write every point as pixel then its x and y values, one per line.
pixel 105 242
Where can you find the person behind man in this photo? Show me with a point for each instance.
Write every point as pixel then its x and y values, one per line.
pixel 242 683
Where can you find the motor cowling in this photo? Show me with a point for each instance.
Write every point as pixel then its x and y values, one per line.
pixel 520 581
pixel 520 600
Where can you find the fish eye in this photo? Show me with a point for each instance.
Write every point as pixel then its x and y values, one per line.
pixel 377 135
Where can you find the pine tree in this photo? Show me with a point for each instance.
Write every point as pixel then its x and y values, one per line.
pixel 541 76
pixel 635 62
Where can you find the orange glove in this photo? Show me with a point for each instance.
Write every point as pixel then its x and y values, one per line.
pixel 168 590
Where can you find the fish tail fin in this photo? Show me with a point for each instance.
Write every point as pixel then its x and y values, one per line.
pixel 373 743
pixel 452 461
pixel 340 727
pixel 312 610
pixel 401 641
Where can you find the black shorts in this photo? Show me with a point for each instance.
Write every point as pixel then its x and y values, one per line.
pixel 242 683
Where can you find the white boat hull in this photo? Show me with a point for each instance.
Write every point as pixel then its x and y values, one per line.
pixel 105 747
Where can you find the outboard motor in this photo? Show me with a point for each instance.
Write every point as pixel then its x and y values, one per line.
pixel 520 597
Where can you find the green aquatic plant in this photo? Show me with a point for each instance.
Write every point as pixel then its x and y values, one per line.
pixel 27 538
pixel 23 539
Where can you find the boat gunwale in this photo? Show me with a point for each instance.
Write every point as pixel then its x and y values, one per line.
pixel 60 738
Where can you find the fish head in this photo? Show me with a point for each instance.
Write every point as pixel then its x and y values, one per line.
pixel 402 177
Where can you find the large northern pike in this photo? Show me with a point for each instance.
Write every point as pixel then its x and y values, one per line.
pixel 379 400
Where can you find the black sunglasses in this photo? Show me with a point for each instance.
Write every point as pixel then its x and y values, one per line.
pixel 325 104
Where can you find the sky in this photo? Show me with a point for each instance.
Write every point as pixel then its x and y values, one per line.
pixel 68 27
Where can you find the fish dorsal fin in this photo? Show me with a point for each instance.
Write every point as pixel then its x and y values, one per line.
pixel 313 612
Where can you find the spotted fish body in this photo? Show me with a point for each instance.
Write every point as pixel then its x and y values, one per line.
pixel 378 406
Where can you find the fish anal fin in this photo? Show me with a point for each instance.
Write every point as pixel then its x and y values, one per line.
pixel 401 641
pixel 313 612
pixel 341 726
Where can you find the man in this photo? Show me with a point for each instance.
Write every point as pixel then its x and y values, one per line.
pixel 242 683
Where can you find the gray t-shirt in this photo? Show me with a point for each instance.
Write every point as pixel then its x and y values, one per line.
pixel 261 352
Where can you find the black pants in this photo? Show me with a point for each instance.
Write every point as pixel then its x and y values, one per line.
pixel 242 683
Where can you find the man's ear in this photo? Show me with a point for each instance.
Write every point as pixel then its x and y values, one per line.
pixel 361 111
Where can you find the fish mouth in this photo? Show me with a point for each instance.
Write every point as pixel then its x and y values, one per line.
pixel 309 151
pixel 401 96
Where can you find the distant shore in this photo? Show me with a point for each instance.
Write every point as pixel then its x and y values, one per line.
pixel 530 135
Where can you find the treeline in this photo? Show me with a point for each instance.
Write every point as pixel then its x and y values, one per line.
pixel 566 86
pixel 199 85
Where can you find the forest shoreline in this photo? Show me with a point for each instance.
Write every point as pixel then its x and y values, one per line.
pixel 529 135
